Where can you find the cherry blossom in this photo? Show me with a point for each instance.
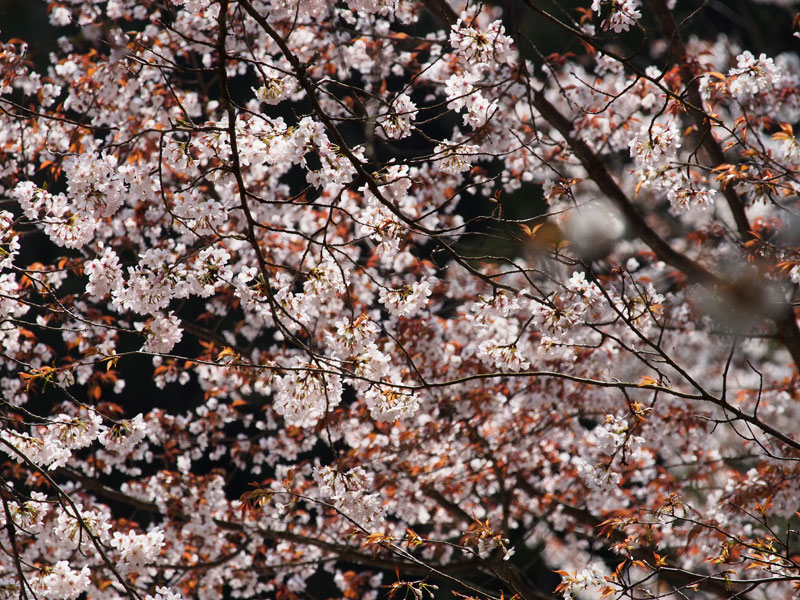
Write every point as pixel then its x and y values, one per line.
pixel 482 47
pixel 622 13
pixel 59 581
pixel 752 75
pixel 399 298
pixel 137 550
pixel 397 123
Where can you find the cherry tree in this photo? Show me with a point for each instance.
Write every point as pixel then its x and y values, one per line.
pixel 282 314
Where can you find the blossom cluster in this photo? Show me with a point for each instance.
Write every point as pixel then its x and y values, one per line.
pixel 623 14
pixel 349 493
pixel 655 150
pixel 300 294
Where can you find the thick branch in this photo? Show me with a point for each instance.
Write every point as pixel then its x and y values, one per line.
pixel 744 296
pixel 785 322
pixel 701 119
